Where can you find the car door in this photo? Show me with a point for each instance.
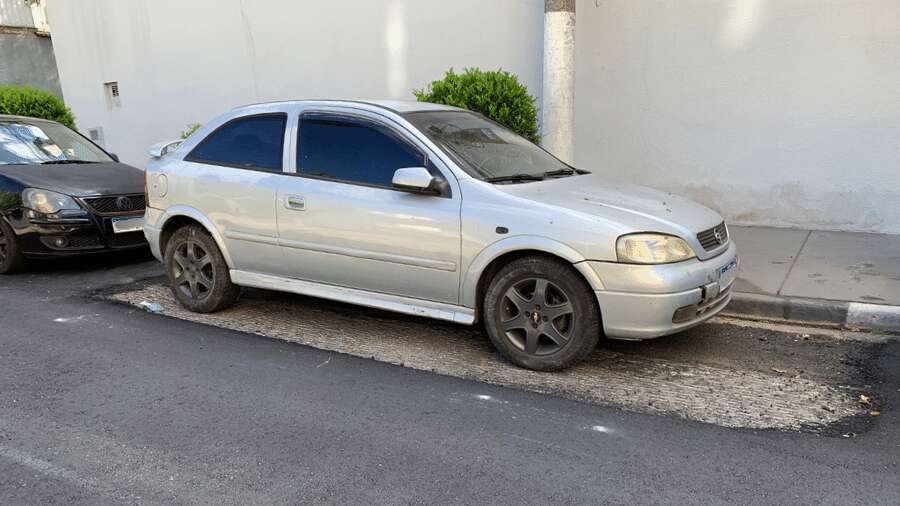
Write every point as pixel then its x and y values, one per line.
pixel 340 222
pixel 231 177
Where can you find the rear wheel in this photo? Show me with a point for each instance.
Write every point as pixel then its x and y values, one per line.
pixel 11 259
pixel 198 273
pixel 540 314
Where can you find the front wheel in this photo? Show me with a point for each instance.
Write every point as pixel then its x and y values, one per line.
pixel 197 271
pixel 540 314
pixel 11 259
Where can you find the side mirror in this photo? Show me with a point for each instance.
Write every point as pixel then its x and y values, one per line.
pixel 114 156
pixel 162 149
pixel 414 179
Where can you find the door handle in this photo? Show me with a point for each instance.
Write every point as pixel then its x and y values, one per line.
pixel 295 202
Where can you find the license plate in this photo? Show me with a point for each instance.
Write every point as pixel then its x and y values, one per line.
pixel 125 225
pixel 727 273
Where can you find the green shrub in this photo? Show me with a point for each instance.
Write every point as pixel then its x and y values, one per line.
pixel 24 101
pixel 496 94
pixel 193 127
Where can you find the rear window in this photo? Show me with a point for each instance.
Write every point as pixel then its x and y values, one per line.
pixel 252 142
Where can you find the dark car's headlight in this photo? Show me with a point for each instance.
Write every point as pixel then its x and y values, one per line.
pixel 652 249
pixel 51 204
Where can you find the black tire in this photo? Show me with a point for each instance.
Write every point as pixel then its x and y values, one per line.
pixel 11 259
pixel 545 332
pixel 197 271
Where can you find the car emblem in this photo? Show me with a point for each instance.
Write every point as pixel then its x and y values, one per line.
pixel 718 234
pixel 124 204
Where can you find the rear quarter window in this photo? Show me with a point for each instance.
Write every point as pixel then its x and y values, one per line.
pixel 251 142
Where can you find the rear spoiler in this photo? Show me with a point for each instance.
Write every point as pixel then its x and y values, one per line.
pixel 162 149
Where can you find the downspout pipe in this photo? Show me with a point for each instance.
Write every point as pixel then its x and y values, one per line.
pixel 558 93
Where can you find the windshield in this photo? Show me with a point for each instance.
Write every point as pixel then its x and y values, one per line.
pixel 486 150
pixel 44 142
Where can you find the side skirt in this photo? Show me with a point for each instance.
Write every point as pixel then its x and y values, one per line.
pixel 396 303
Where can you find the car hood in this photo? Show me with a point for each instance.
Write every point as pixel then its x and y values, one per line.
pixel 636 207
pixel 79 180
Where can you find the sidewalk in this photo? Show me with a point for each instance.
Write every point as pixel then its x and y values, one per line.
pixel 845 278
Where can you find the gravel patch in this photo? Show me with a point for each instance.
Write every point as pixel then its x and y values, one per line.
pixel 671 378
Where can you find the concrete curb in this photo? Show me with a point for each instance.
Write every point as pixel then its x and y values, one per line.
pixel 843 313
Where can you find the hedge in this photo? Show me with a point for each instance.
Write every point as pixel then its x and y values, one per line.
pixel 497 94
pixel 25 101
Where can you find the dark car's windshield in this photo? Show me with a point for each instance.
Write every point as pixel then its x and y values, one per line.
pixel 44 142
pixel 486 150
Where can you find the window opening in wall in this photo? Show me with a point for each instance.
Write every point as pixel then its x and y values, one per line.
pixel 113 100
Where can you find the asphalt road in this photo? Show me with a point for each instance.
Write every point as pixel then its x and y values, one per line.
pixel 116 405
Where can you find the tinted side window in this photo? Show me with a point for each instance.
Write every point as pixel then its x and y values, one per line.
pixel 254 142
pixel 352 150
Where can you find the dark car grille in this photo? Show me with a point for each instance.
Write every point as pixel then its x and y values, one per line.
pixel 84 241
pixel 127 239
pixel 714 237
pixel 120 204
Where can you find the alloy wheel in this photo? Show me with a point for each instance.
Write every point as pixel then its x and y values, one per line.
pixel 193 270
pixel 537 316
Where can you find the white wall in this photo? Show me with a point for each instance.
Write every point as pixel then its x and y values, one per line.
pixel 180 62
pixel 774 112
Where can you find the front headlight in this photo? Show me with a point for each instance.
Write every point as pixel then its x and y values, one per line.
pixel 652 249
pixel 48 202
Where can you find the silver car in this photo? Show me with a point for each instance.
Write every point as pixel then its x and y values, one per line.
pixel 433 211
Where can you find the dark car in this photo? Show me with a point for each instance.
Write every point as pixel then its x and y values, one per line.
pixel 61 195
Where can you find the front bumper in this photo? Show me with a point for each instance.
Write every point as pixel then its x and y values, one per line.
pixel 40 239
pixel 647 301
pixel 153 223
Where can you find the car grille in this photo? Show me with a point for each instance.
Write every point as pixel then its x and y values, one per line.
pixel 84 241
pixel 119 204
pixel 127 239
pixel 714 237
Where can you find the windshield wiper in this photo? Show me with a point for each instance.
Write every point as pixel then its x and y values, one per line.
pixel 566 171
pixel 559 172
pixel 60 162
pixel 514 178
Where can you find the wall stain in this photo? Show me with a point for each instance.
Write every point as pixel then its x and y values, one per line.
pixel 792 205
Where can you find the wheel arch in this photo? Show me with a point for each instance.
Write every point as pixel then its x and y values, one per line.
pixel 182 216
pixel 493 258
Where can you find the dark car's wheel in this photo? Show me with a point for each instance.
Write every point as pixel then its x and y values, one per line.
pixel 540 314
pixel 11 259
pixel 197 271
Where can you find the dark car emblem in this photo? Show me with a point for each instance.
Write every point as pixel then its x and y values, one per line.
pixel 125 204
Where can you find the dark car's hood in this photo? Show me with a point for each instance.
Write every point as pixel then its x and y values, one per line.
pixel 79 180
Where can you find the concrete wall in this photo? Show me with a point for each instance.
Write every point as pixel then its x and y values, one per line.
pixel 28 60
pixel 15 13
pixel 774 112
pixel 180 62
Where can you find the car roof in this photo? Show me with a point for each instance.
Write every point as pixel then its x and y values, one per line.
pixel 24 119
pixel 397 106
